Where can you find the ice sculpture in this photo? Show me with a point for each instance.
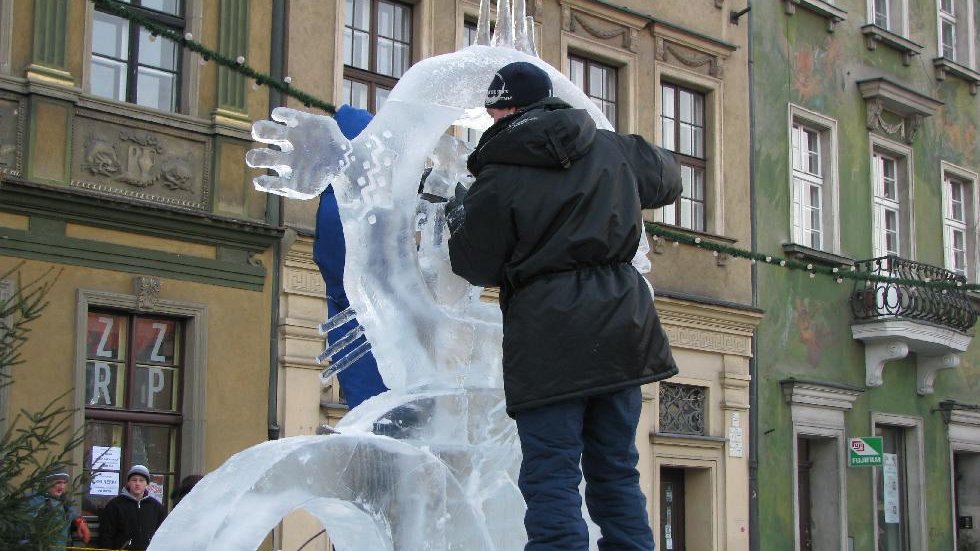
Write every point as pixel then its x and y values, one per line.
pixel 432 463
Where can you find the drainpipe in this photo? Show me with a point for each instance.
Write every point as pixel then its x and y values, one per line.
pixel 753 361
pixel 274 215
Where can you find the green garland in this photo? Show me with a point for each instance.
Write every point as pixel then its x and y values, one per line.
pixel 839 274
pixel 238 65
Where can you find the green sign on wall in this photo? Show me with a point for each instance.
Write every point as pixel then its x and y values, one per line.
pixel 865 451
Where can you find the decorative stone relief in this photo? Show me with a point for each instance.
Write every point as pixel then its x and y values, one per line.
pixel 11 136
pixel 711 341
pixel 572 21
pixel 688 57
pixel 140 163
pixel 306 282
pixel 147 290
pixel 905 129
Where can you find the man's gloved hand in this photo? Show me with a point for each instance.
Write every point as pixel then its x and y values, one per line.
pixel 455 214
pixel 82 528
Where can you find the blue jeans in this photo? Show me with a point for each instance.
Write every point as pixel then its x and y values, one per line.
pixel 600 432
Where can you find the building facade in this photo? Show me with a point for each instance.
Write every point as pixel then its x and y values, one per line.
pixel 680 79
pixel 121 171
pixel 865 116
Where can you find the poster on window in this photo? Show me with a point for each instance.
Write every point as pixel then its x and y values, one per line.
pixel 889 474
pixel 156 488
pixel 104 484
pixel 106 457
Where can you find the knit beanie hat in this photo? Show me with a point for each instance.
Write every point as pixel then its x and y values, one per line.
pixel 517 85
pixel 58 472
pixel 138 470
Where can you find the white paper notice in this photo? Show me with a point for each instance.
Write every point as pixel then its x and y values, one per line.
pixel 104 457
pixel 735 437
pixel 889 473
pixel 104 484
pixel 156 490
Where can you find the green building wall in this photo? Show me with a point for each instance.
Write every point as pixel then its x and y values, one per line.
pixel 806 333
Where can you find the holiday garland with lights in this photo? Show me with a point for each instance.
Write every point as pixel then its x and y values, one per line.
pixel 238 65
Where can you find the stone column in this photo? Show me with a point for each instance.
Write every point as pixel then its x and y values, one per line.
pixel 50 44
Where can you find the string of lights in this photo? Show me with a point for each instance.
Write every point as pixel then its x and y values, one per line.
pixel 238 64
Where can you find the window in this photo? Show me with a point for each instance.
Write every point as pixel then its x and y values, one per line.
pixel 813 185
pixel 682 121
pixel 377 50
pixel 598 81
pixel 6 311
pixel 959 230
pixel 133 378
pixel 899 514
pixel 130 64
pixel 891 180
pixel 956 31
pixel 682 409
pixel 890 15
pixel 808 187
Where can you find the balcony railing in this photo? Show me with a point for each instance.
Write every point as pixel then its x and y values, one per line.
pixel 878 300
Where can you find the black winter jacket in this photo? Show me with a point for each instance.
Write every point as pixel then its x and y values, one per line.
pixel 554 219
pixel 128 522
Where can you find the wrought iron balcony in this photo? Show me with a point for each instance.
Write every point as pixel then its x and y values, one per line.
pixel 879 300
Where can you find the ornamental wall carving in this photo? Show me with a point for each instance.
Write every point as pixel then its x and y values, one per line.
pixel 141 162
pixel 12 122
pixel 690 58
pixel 611 32
pixel 697 338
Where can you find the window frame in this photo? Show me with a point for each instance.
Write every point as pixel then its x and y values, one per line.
pixel 914 476
pixel 589 62
pixel 902 27
pixel 696 164
pixel 192 437
pixel 6 292
pixel 969 226
pixel 370 76
pixel 826 130
pixel 963 22
pixel 179 23
pixel 905 187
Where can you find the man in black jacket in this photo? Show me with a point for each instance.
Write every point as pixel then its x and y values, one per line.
pixel 554 219
pixel 130 519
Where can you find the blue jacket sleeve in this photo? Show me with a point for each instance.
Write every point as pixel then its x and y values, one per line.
pixel 484 236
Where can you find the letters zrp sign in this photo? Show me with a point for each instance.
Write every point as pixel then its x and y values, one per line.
pixel 864 451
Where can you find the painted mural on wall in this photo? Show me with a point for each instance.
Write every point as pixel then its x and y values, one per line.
pixel 141 163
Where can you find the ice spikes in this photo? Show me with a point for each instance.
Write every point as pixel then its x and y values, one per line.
pixel 520 26
pixel 345 362
pixel 337 320
pixel 503 34
pixel 483 24
pixel 532 47
pixel 340 344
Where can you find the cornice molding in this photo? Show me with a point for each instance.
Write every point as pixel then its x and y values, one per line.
pixel 909 106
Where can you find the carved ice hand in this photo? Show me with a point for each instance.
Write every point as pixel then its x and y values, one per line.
pixel 312 152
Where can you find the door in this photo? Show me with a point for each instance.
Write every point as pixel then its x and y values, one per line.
pixel 672 509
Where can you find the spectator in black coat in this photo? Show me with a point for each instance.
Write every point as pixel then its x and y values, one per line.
pixel 131 518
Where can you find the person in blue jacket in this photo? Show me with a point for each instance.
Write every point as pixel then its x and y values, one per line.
pixel 361 380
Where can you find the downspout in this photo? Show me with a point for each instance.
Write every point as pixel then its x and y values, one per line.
pixel 753 361
pixel 274 216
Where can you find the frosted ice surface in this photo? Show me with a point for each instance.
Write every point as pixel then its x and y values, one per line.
pixel 430 465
